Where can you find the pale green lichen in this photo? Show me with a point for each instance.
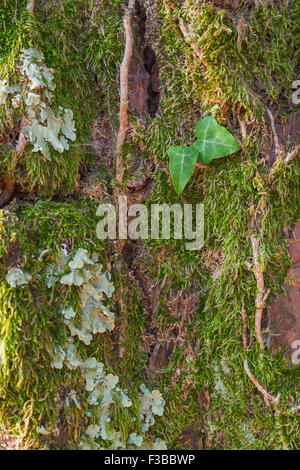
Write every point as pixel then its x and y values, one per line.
pixel 34 93
pixel 80 259
pixel 135 439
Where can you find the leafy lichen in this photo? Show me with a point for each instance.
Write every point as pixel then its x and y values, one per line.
pixel 68 308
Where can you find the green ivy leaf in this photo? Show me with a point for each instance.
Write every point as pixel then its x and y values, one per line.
pixel 182 165
pixel 214 141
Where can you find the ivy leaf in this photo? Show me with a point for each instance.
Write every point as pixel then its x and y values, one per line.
pixel 214 141
pixel 182 165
